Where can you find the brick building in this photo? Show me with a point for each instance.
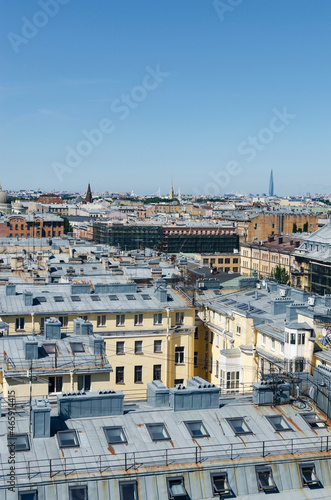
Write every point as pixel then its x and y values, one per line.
pixel 34 225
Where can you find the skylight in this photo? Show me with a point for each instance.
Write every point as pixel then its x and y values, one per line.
pixel 113 297
pixel 95 298
pixel 67 439
pixel 115 435
pixel 58 298
pixel 158 432
pixel 75 298
pixel 77 347
pixel 18 442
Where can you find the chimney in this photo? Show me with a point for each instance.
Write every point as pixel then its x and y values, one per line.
pixel 41 418
pixel 97 345
pixel 160 290
pixel 52 329
pixel 30 348
pixel 10 289
pixel 28 298
pixel 157 394
pixel 92 404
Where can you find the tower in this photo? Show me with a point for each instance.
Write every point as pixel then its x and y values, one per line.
pixel 88 198
pixel 271 184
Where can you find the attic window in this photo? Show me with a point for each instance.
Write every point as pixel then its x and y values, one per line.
pixel 67 439
pixel 314 420
pixel 176 489
pixel 308 476
pixel 115 435
pixel 75 298
pixel 50 348
pixel 196 429
pixel 128 490
pixel 158 432
pixel 220 484
pixel 145 296
pixel 95 298
pixel 279 423
pixel 58 298
pixel 113 297
pixel 239 425
pixel 41 299
pixel 77 347
pixel 131 297
pixel 265 480
pixel 18 442
pixel 78 493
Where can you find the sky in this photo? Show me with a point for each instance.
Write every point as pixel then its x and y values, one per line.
pixel 124 94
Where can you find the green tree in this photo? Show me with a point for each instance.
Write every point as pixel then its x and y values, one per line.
pixel 294 229
pixel 67 226
pixel 281 275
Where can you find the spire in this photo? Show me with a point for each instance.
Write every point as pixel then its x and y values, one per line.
pixel 171 194
pixel 271 184
pixel 88 198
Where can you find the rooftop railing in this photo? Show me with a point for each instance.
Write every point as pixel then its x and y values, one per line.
pixel 101 464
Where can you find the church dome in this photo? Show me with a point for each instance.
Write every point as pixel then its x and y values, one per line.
pixel 4 198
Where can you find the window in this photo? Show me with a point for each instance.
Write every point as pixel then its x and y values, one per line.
pixel 157 372
pixel 232 380
pixel 235 261
pixel 293 338
pixel 196 429
pixel 157 345
pixel 120 319
pixel 101 320
pixel 138 347
pixel 217 368
pixel 128 490
pixel 158 432
pixel 58 298
pixel 279 423
pixel 195 359
pixel 196 333
pixel 176 489
pixel 55 384
pixel 281 347
pixel 95 298
pixel 76 347
pixel 138 374
pixel 120 375
pixel 238 330
pixel 130 297
pixel 19 324
pixel 67 439
pixel 50 348
pixel 211 364
pixel 28 495
pixel 158 319
pixel 179 318
pixel 178 381
pixel 120 347
pixel 219 483
pixel 211 336
pixel 145 296
pixel 314 420
pixel 179 355
pixel 115 435
pixel 265 480
pixel 308 476
pixel 78 493
pixel 113 297
pixel 263 338
pixel 18 442
pixel 239 425
pixel 84 382
pixel 220 261
pixel 75 298
pixel 301 338
pixel 64 321
pixel 272 344
pixel 138 319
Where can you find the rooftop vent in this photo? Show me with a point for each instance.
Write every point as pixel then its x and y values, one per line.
pixel 80 289
pixel 269 392
pixel 160 290
pixel 91 404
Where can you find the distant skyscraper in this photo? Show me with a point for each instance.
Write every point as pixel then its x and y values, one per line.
pixel 271 184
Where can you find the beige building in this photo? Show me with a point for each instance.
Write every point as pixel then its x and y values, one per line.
pixel 224 262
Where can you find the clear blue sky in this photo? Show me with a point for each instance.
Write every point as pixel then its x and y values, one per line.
pixel 220 84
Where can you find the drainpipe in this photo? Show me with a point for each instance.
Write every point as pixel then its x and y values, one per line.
pixel 32 319
pixel 167 348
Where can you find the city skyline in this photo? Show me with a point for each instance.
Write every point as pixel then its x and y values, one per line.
pixel 217 97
